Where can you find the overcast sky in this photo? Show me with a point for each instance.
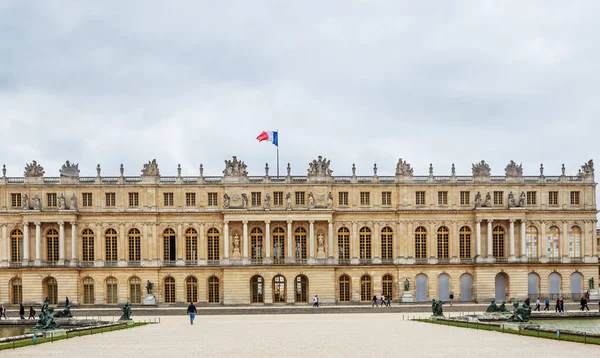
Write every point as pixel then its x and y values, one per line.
pixel 439 82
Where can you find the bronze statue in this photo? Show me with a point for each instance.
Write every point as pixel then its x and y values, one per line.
pixel 149 286
pixel 591 283
pixel 520 314
pixel 126 316
pixel 66 313
pixel 46 318
pixel 436 308
pixel 493 307
pixel 406 285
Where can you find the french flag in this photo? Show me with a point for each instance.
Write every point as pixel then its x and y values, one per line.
pixel 270 136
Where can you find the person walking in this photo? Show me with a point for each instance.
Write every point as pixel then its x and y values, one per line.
pixel 584 304
pixel 31 313
pixel 547 303
pixel 21 311
pixel 67 302
pixel 389 300
pixel 374 304
pixel 3 312
pixel 562 305
pixel 451 298
pixel 557 308
pixel 537 304
pixel 382 303
pixel 316 301
pixel 192 312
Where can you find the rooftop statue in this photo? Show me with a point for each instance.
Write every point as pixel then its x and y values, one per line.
pixel 319 168
pixel 481 169
pixel 151 169
pixel 69 170
pixel 33 170
pixel 403 168
pixel 235 168
pixel 513 170
pixel 588 168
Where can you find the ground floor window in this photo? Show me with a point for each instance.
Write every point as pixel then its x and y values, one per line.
pixel 169 290
pixel 88 291
pixel 344 289
pixel 279 289
pixel 16 291
pixel 256 287
pixel 111 291
pixel 365 288
pixel 213 290
pixel 301 289
pixel 52 290
pixel 135 290
pixel 191 285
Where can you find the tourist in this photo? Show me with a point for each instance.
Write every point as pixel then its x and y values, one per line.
pixel 451 298
pixel 382 300
pixel 2 311
pixel 316 301
pixel 67 302
pixel 562 305
pixel 21 311
pixel 374 304
pixel 557 308
pixel 527 302
pixel 389 300
pixel 537 304
pixel 31 313
pixel 584 304
pixel 547 303
pixel 192 312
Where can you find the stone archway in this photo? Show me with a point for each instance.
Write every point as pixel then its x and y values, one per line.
pixel 444 287
pixel 466 287
pixel 421 287
pixel 501 286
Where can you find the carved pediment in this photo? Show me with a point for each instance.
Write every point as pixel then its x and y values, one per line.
pixel 33 170
pixel 513 170
pixel 319 168
pixel 69 170
pixel 151 169
pixel 403 168
pixel 235 168
pixel 481 169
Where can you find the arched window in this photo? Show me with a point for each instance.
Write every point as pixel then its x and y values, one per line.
pixel 51 290
pixel 364 236
pixel 366 293
pixel 464 238
pixel 16 245
pixel 191 245
pixel 110 238
pixel 421 243
pixel 135 290
pixel 443 242
pixel 112 291
pixel 387 243
pixel 278 245
pixel 300 244
pixel 213 244
pixel 343 238
pixel 279 289
pixel 169 253
pixel 256 289
pixel 88 291
pixel 87 245
pixel 169 290
pixel 344 288
pixel 387 286
pixel 575 242
pixel 301 289
pixel 52 245
pixel 16 291
pixel 553 242
pixel 134 237
pixel 498 242
pixel 531 242
pixel 213 290
pixel 256 244
pixel 191 289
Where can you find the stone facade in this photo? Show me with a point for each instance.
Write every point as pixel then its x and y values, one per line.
pixel 238 238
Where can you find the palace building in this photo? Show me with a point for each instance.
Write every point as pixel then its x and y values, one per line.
pixel 238 239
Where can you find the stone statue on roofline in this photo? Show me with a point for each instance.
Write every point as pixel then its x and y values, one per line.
pixel 70 170
pixel 319 168
pixel 513 170
pixel 481 169
pixel 235 168
pixel 403 168
pixel 33 170
pixel 151 169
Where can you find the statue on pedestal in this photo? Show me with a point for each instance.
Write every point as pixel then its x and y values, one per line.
pixel 520 314
pixel 591 283
pixel 61 202
pixel 406 285
pixel 25 202
pixel 46 318
pixel 236 243
pixel 149 286
pixel 126 316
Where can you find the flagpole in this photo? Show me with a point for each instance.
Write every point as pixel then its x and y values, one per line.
pixel 277 153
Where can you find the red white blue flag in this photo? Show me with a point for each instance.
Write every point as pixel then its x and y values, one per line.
pixel 269 136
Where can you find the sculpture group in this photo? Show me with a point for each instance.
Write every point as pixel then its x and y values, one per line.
pixel 46 318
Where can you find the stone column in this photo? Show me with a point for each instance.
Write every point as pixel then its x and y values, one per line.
pixel 245 239
pixel 73 243
pixel 490 243
pixel 226 240
pixel 523 241
pixel 61 242
pixel 563 244
pixel 311 238
pixel 511 236
pixel 202 244
pixel 5 254
pixel 376 244
pixel 330 238
pixel 290 254
pixel 180 245
pixel 38 243
pixel 267 242
pixel 432 241
pixel 478 236
pixel 354 244
pixel 25 242
pixel 543 242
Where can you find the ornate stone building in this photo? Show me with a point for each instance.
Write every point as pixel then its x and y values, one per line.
pixel 239 239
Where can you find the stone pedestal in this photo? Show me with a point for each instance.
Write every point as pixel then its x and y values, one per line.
pixel 594 295
pixel 149 300
pixel 54 333
pixel 407 296
pixel 517 326
pixel 321 253
pixel 236 254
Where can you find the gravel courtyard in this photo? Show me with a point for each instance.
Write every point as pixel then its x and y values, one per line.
pixel 325 335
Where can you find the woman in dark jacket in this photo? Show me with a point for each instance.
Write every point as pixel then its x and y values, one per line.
pixel 21 311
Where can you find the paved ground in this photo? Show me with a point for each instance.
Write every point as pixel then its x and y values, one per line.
pixel 365 335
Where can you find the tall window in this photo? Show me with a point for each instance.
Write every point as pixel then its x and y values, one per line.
pixel 256 289
pixel 575 198
pixel 52 245
pixel 256 198
pixel 87 245
pixel 169 245
pixel 443 242
pixel 465 197
pixel 134 200
pixel 111 199
pixel 16 245
pixel 191 289
pixel 498 198
pixel 421 243
pixel 88 291
pixel 301 288
pixel 15 200
pixel 212 199
pixel 343 244
pixel 420 198
pixel 191 245
pixel 134 238
pixel 169 290
pixel 531 242
pixel 256 244
pixel 299 197
pixel 112 296
pixel 278 245
pixel 16 292
pixel 498 242
pixel 343 198
pixel 464 238
pixel 300 242
pixel 52 290
pixel 213 244
pixel 279 289
pixel 344 288
pixel 387 286
pixel 575 242
pixel 364 236
pixel 531 198
pixel 87 200
pixel 168 199
pixel 387 243
pixel 213 290
pixel 278 198
pixel 190 199
pixel 135 290
pixel 51 200
pixel 365 288
pixel 442 198
pixel 365 198
pixel 386 198
pixel 553 198
pixel 553 242
pixel 110 239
